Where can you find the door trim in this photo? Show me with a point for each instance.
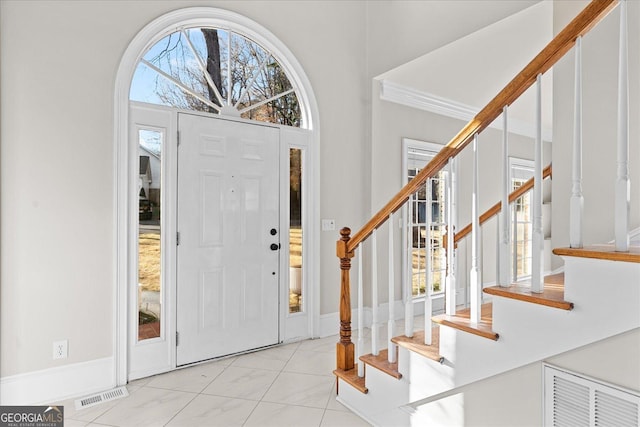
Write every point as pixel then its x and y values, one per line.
pixel 122 159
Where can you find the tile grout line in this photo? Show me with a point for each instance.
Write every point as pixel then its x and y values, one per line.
pixel 271 385
pixel 196 394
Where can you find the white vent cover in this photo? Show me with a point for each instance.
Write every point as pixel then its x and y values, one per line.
pixel 571 399
pixel 98 398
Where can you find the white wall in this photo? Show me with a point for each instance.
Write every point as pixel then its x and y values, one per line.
pixel 400 31
pixel 473 69
pixel 502 400
pixel 59 60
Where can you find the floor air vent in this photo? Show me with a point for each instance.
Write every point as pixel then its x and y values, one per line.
pixel 98 398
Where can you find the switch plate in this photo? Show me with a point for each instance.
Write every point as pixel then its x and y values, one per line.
pixel 328 224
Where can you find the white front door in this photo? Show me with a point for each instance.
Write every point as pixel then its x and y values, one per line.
pixel 229 237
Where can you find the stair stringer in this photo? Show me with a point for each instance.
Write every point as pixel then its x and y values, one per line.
pixel 607 302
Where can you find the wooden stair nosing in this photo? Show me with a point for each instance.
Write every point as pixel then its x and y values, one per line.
pixel 351 377
pixel 524 294
pixel 417 345
pixel 551 296
pixel 461 321
pixel 604 252
pixel 381 362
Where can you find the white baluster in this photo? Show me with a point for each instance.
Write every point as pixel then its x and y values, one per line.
pixel 375 347
pixel 391 324
pixel 475 276
pixel 360 342
pixel 498 260
pixel 504 233
pixel 576 203
pixel 408 291
pixel 623 188
pixel 537 244
pixel 428 306
pixel 514 260
pixel 450 281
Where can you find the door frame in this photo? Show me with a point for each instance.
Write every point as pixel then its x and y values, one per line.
pixel 125 161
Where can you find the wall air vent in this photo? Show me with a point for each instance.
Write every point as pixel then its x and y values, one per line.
pixel 98 398
pixel 571 399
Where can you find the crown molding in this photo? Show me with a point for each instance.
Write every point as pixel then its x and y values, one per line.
pixel 410 97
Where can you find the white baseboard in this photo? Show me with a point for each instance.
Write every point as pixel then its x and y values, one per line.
pixel 57 384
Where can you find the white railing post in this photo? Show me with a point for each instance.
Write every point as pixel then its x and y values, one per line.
pixel 475 275
pixel 408 289
pixel 428 306
pixel 375 347
pixel 360 341
pixel 514 255
pixel 576 204
pixel 623 188
pixel 537 244
pixel 504 233
pixel 450 281
pixel 391 324
pixel 499 262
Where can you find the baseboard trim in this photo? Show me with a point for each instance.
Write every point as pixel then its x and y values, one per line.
pixel 57 384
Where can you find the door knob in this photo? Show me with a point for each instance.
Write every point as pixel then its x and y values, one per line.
pixel 275 246
pixel 273 231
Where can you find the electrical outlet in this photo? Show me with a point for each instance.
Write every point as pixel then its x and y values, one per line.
pixel 60 349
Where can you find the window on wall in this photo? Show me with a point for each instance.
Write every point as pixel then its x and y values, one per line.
pixel 216 71
pixel 522 231
pixel 427 263
pixel 150 142
pixel 295 230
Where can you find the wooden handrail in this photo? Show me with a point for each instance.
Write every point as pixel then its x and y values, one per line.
pixel 579 26
pixel 493 210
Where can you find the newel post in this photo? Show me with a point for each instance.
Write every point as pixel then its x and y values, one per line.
pixel 345 349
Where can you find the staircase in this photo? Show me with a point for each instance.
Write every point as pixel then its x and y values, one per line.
pixel 517 328
pixel 505 326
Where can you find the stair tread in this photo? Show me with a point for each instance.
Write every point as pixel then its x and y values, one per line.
pixel 351 377
pixel 461 320
pixel 552 295
pixel 606 252
pixel 417 345
pixel 381 362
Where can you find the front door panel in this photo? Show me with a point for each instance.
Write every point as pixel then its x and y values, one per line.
pixel 228 251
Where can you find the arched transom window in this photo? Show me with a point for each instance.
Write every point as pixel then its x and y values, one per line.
pixel 217 71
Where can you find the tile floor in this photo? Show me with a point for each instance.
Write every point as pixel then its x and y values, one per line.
pixel 289 385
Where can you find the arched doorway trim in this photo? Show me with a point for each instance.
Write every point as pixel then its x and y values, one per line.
pixel 125 155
